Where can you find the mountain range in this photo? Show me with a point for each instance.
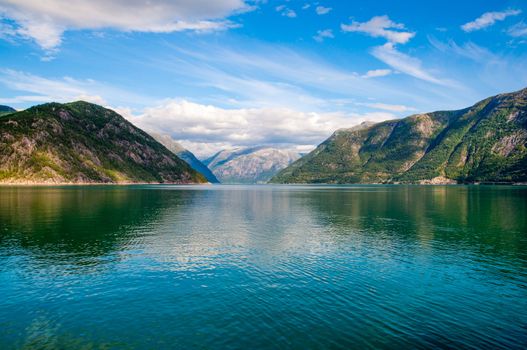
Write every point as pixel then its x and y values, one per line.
pixel 185 155
pixel 251 164
pixel 81 142
pixel 483 143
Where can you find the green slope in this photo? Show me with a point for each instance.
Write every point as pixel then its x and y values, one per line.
pixel 484 143
pixel 83 143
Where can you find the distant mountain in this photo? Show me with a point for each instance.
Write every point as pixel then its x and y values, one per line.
pixel 81 142
pixel 186 155
pixel 250 165
pixel 6 110
pixel 484 143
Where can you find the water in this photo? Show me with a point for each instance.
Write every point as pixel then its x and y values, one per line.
pixel 219 267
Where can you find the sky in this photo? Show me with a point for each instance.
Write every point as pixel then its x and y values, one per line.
pixel 230 73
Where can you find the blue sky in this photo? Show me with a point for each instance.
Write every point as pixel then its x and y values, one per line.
pixel 236 73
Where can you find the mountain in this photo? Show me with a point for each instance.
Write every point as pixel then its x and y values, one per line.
pixel 81 142
pixel 6 110
pixel 186 155
pixel 482 143
pixel 250 165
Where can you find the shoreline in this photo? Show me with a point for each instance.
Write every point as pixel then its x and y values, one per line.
pixel 74 184
pixel 47 184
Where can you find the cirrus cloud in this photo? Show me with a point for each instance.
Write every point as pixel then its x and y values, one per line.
pixel 394 33
pixel 39 89
pixel 518 30
pixel 390 107
pixel 406 64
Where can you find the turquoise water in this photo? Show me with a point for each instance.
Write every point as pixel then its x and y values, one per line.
pixel 217 267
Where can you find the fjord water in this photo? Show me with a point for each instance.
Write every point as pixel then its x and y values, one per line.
pixel 161 267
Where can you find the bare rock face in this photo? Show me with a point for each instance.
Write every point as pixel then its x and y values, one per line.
pixel 439 180
pixel 83 143
pixel 250 165
pixel 483 143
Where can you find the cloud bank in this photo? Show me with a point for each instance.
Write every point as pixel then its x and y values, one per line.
pixel 204 128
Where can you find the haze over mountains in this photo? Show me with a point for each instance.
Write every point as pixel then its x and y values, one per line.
pixel 250 165
pixel 483 143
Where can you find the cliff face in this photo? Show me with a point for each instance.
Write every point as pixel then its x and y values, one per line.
pixel 486 142
pixel 83 143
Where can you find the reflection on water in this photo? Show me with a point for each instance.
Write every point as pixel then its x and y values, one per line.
pixel 263 266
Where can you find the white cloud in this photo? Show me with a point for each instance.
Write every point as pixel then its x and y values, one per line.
pixel 381 26
pixel 487 19
pixel 212 126
pixel 406 64
pixel 46 21
pixel 306 6
pixel 321 10
pixel 284 11
pixel 518 30
pixel 377 73
pixel 289 13
pixel 323 34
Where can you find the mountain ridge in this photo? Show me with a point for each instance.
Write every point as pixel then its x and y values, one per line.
pixel 80 142
pixel 250 164
pixel 482 143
